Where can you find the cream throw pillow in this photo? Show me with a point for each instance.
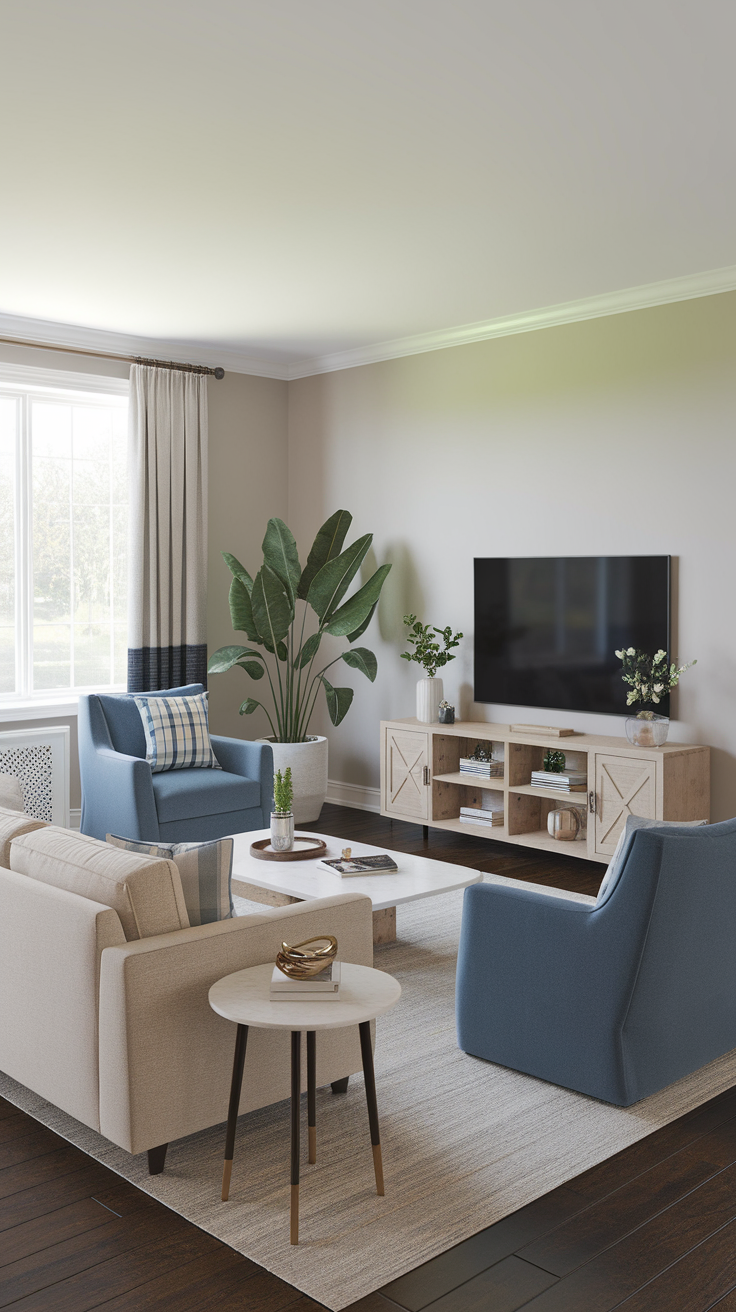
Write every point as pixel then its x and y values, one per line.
pixel 145 892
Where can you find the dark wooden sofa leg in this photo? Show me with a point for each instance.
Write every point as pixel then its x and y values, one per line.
pixel 340 1086
pixel 156 1159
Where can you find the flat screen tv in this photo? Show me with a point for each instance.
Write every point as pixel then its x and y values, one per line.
pixel 546 629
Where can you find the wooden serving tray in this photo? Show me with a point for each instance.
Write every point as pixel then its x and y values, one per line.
pixel 308 847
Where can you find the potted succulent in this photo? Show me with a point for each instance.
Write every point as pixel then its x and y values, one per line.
pixel 273 610
pixel 282 816
pixel 432 657
pixel 649 680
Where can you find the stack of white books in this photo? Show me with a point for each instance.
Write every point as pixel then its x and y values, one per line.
pixel 484 769
pixel 490 812
pixel 572 781
pixel 324 987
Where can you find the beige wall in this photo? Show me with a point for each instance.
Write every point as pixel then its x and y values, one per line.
pixel 247 424
pixel 611 436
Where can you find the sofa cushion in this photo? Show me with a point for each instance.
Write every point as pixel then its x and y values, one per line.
pixel 11 792
pixel 205 870
pixel 124 719
pixel 623 846
pixel 187 794
pixel 146 892
pixel 12 825
pixel 177 733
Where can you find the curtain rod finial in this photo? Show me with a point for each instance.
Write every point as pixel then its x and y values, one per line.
pixel 219 373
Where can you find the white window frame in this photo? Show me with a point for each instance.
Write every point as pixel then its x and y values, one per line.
pixel 28 705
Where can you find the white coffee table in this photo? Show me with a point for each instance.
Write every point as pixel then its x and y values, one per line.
pixel 280 883
pixel 245 998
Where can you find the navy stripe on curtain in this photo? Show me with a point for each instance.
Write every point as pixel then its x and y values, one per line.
pixel 150 669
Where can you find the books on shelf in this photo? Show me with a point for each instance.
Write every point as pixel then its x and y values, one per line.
pixel 474 815
pixel 572 781
pixel 383 864
pixel 483 769
pixel 324 987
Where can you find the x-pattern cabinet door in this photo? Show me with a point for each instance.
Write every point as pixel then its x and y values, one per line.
pixel 407 791
pixel 623 786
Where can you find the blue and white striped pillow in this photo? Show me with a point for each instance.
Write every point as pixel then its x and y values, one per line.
pixel 177 732
pixel 205 870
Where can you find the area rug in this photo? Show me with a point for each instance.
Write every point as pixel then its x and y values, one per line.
pixel 464 1142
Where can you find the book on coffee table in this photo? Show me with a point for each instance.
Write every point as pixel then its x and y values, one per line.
pixel 360 865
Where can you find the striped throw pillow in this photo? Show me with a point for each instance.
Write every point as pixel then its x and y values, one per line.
pixel 177 732
pixel 205 870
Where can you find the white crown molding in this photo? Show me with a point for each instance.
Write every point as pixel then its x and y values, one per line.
pixel 43 332
pixel 687 288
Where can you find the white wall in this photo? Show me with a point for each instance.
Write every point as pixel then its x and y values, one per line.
pixel 611 436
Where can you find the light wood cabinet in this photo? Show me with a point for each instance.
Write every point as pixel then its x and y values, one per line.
pixel 406 773
pixel 421 781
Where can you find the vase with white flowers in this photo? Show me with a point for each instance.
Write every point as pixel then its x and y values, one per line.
pixel 649 680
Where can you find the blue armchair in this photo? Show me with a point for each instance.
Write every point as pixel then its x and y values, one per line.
pixel 615 1000
pixel 120 795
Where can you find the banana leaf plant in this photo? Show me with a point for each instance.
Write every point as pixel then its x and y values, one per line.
pixel 272 610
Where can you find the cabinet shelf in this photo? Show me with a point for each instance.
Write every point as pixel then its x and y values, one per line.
pixel 556 794
pixel 471 780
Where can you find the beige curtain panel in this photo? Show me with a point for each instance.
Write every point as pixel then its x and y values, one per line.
pixel 167 638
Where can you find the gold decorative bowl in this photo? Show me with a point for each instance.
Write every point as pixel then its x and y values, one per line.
pixel 303 964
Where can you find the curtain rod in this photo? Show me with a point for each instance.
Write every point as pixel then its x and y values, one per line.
pixel 111 355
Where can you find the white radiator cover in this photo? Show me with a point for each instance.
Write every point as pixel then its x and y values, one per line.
pixel 40 759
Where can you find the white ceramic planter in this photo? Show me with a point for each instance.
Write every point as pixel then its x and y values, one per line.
pixel 308 763
pixel 429 696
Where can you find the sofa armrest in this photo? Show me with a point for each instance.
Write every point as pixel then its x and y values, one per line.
pixel 253 760
pixel 166 1057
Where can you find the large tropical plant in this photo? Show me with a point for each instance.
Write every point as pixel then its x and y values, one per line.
pixel 267 610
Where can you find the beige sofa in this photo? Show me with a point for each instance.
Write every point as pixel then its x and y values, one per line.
pixel 104 988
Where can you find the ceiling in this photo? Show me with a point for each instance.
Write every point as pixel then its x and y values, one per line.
pixel 291 179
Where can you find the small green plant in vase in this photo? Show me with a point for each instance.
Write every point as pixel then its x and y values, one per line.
pixel 432 657
pixel 282 818
pixel 649 680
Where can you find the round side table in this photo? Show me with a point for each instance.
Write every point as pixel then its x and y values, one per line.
pixel 245 999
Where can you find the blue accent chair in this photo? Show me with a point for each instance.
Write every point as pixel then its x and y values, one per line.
pixel 616 1000
pixel 120 795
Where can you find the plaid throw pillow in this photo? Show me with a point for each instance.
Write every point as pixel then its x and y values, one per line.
pixel 205 870
pixel 177 732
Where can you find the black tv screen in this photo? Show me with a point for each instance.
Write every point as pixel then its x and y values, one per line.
pixel 546 629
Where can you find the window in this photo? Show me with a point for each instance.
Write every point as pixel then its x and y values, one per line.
pixel 63 533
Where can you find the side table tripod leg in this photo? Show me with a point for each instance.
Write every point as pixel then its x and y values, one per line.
pixel 296 1093
pixel 312 1094
pixel 241 1040
pixel 370 1097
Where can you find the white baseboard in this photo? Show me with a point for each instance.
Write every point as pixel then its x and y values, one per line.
pixel 75 817
pixel 363 799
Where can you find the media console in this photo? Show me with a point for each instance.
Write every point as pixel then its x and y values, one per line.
pixel 421 782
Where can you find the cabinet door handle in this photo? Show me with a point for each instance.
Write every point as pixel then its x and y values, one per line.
pixel 591 803
pixel 425 776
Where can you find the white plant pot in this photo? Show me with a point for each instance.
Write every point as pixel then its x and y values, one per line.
pixel 429 696
pixel 308 763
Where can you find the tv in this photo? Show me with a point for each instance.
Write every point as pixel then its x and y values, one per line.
pixel 547 628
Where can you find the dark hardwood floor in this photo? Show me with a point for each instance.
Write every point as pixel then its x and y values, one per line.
pixel 652 1229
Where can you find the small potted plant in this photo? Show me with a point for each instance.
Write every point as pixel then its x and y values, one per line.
pixel 649 680
pixel 282 816
pixel 432 657
pixel 446 713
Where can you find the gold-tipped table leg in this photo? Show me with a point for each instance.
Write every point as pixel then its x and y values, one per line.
pixel 241 1040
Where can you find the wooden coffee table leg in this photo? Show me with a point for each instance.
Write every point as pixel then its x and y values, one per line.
pixel 312 1094
pixel 384 926
pixel 241 1040
pixel 370 1097
pixel 296 1093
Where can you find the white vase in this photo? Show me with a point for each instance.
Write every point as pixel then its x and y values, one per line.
pixel 429 696
pixel 308 763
